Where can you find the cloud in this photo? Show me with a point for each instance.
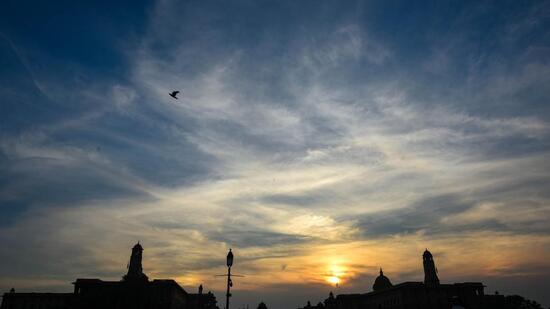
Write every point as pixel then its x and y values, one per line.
pixel 123 96
pixel 421 216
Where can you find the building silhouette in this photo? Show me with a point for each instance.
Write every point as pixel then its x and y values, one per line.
pixel 137 291
pixel 382 282
pixel 134 291
pixel 430 272
pixel 429 294
pixel 135 270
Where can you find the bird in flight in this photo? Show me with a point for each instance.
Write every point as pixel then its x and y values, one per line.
pixel 174 94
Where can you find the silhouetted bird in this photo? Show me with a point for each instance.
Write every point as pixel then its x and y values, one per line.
pixel 174 94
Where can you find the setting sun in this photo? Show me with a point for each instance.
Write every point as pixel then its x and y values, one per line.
pixel 333 280
pixel 335 274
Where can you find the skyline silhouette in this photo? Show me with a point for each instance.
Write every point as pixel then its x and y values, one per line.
pixel 136 290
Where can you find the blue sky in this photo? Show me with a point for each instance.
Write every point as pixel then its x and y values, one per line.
pixel 313 137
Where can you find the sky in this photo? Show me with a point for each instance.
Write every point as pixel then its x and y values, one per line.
pixel 320 140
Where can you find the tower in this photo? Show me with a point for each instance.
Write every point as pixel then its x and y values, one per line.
pixel 430 272
pixel 135 270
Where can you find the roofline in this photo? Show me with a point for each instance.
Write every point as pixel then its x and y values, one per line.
pixel 37 294
pixel 99 281
pixel 412 283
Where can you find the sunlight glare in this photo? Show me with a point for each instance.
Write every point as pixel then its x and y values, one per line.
pixel 334 280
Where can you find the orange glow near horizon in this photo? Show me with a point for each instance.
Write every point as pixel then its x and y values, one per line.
pixel 335 274
pixel 353 264
pixel 334 280
pixel 356 264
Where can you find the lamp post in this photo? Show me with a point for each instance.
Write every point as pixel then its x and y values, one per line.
pixel 229 282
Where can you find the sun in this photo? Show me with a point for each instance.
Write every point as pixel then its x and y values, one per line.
pixel 333 280
pixel 335 273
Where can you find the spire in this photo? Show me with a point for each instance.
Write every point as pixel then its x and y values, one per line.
pixel 430 271
pixel 135 270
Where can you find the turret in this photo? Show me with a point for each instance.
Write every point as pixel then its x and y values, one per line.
pixel 135 270
pixel 430 271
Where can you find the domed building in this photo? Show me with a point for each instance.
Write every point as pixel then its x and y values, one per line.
pixel 382 282
pixel 427 294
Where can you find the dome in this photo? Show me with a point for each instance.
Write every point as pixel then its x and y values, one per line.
pixel 382 282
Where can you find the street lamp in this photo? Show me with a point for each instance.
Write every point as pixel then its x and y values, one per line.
pixel 230 258
pixel 229 282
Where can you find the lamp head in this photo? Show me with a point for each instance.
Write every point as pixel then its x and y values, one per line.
pixel 229 258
